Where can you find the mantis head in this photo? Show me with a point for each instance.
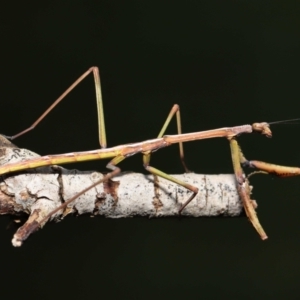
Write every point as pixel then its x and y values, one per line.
pixel 263 128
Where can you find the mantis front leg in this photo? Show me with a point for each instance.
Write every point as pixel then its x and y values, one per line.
pixel 240 160
pixel 267 168
pixel 243 187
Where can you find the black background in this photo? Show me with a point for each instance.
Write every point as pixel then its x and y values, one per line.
pixel 226 63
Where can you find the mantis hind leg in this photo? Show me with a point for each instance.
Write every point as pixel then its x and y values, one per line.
pixel 101 123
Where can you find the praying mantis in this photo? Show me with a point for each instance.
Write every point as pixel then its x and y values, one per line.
pixel 118 153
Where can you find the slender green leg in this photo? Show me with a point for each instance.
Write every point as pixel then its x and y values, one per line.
pixel 175 110
pixel 156 172
pixel 147 155
pixel 101 123
pixel 243 187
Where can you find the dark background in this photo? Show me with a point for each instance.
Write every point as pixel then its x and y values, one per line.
pixel 226 63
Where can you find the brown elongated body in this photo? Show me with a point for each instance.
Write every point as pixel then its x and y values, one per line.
pixel 124 150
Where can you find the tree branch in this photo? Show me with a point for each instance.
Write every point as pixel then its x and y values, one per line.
pixel 39 191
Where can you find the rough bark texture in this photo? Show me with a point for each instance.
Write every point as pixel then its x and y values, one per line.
pixel 39 191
